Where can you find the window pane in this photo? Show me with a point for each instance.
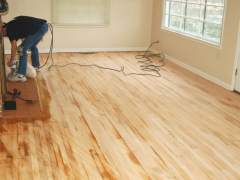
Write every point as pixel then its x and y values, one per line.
pixel 80 12
pixel 166 20
pixel 195 11
pixel 201 18
pixel 216 2
pixel 176 23
pixel 97 12
pixel 177 8
pixel 212 32
pixel 194 27
pixel 167 6
pixel 214 14
pixel 196 1
pixel 183 1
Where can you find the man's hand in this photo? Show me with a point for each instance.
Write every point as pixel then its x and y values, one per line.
pixel 13 51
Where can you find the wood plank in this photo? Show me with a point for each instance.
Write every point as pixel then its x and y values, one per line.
pixel 104 125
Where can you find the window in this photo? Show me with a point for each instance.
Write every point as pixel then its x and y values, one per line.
pixel 80 12
pixel 199 18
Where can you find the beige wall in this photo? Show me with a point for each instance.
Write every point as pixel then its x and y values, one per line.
pixel 130 25
pixel 215 61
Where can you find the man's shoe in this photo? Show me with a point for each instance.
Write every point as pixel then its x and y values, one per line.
pixel 17 78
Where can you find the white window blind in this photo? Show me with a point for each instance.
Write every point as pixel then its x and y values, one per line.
pixel 81 12
pixel 196 18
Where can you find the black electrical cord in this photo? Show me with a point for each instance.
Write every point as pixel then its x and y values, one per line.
pixel 122 70
pixel 146 60
pixel 51 47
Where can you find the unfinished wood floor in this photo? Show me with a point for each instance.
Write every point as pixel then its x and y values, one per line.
pixel 107 126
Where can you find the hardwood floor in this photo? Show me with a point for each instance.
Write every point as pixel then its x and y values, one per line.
pixel 104 125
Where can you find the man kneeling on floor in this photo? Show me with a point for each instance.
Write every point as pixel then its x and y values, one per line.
pixel 31 30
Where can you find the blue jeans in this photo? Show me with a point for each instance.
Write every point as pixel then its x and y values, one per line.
pixel 30 43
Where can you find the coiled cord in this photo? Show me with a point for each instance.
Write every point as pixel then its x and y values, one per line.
pixel 146 60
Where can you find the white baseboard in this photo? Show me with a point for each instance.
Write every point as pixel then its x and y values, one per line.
pixel 55 50
pixel 200 73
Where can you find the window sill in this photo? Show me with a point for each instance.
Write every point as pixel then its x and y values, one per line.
pixel 193 38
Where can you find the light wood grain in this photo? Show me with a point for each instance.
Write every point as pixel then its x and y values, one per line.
pixel 104 125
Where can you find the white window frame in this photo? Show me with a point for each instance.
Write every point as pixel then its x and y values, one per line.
pixel 189 35
pixel 106 23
